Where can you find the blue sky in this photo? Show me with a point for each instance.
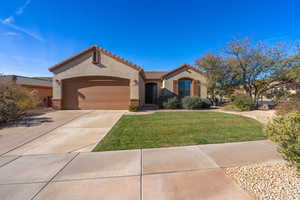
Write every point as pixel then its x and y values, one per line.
pixel 157 35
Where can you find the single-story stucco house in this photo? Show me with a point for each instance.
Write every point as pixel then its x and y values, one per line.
pixel 97 79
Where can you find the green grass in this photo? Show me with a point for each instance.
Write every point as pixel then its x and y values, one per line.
pixel 179 128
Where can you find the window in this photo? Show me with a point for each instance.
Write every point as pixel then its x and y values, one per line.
pixel 184 87
pixel 95 57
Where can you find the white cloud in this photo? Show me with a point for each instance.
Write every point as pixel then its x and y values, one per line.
pixel 9 22
pixel 22 8
pixel 12 34
pixel 30 33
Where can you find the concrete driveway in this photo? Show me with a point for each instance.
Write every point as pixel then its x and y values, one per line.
pixel 58 132
pixel 177 173
pixel 50 159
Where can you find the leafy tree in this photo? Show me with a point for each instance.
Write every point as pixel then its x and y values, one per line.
pixel 294 72
pixel 257 67
pixel 217 74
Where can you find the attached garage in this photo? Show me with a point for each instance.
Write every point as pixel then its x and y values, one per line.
pixel 97 79
pixel 96 92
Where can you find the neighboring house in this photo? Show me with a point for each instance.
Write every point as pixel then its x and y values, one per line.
pixel 41 85
pixel 294 88
pixel 97 79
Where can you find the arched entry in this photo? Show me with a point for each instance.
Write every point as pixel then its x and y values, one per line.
pixel 151 93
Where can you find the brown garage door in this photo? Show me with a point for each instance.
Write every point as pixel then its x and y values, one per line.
pixel 96 93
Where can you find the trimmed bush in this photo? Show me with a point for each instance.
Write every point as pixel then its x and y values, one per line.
pixel 291 105
pixel 133 108
pixel 171 103
pixel 285 131
pixel 164 98
pixel 195 103
pixel 206 103
pixel 242 102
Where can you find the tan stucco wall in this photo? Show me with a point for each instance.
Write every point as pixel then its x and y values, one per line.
pixel 186 73
pixel 83 66
pixel 142 91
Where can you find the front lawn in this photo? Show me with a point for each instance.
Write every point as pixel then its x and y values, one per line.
pixel 166 129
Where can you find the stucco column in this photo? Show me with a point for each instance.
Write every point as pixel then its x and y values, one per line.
pixel 57 91
pixel 175 87
pixel 203 90
pixel 134 92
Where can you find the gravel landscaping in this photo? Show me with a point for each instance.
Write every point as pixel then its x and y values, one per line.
pixel 274 180
pixel 263 116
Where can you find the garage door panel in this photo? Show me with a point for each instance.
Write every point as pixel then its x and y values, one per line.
pixel 102 106
pixel 96 93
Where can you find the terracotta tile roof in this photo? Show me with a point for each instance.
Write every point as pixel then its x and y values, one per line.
pixel 102 50
pixel 147 75
pixel 155 74
pixel 184 66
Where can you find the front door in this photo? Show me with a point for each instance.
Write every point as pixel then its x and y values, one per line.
pixel 151 93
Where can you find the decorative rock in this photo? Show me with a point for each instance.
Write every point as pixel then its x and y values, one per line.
pixel 274 180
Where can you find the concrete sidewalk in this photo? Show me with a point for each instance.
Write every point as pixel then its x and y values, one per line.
pixel 176 173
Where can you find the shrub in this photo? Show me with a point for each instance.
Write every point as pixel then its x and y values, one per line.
pixel 133 108
pixel 206 103
pixel 286 132
pixel 242 102
pixel 10 112
pixel 291 105
pixel 164 98
pixel 231 107
pixel 171 103
pixel 21 97
pixel 195 103
pixel 191 103
pixel 14 100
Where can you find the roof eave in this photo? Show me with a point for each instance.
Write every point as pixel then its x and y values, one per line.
pixel 104 51
pixel 181 67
